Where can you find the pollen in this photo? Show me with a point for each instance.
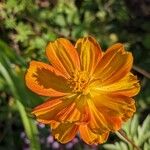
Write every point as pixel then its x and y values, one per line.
pixel 78 81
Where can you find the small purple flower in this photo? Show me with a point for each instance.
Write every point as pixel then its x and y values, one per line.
pixel 26 141
pixel 22 135
pixel 41 125
pixel 50 139
pixel 26 148
pixel 75 140
pixel 69 145
pixel 55 145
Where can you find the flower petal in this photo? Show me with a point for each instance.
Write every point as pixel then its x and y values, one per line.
pixel 116 105
pixel 114 65
pixel 127 86
pixel 64 132
pixel 90 53
pixel 63 56
pixel 97 121
pixel 44 80
pixel 90 137
pixel 62 110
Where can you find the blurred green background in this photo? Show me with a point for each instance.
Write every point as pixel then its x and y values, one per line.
pixel 26 26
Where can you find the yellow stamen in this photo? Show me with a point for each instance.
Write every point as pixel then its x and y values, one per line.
pixel 78 81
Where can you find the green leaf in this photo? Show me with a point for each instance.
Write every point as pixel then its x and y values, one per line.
pixel 139 134
pixel 146 41
pixel 9 53
pixel 134 125
pixel 110 147
pixel 10 22
pixel 30 128
pixel 23 32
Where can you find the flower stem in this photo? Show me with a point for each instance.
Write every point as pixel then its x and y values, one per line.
pixel 142 71
pixel 122 133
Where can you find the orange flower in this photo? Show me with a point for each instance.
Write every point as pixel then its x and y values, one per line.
pixel 90 91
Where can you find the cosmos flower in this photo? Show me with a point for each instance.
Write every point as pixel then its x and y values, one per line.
pixel 90 92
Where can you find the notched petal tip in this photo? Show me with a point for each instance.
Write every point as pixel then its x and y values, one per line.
pixel 90 137
pixel 116 47
pixel 114 65
pixel 120 107
pixel 63 56
pixel 64 132
pixel 62 110
pixel 90 53
pixel 44 80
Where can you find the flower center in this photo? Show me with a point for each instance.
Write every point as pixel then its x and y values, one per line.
pixel 78 81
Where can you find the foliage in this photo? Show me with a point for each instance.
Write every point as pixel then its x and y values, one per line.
pixel 26 26
pixel 139 134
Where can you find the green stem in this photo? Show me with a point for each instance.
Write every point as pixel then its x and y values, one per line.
pixel 123 135
pixel 30 128
pixel 142 71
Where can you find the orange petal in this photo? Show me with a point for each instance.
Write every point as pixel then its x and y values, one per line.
pixel 114 65
pixel 62 110
pixel 90 53
pixel 127 86
pixel 97 121
pixel 64 132
pixel 116 105
pixel 63 56
pixel 114 123
pixel 90 137
pixel 44 80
